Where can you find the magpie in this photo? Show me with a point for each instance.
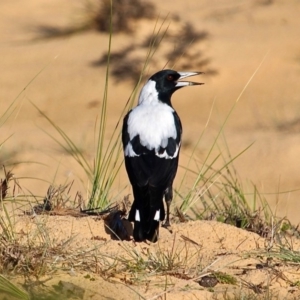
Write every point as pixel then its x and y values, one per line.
pixel 151 137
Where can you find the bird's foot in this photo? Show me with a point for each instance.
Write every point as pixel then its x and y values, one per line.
pixel 167 225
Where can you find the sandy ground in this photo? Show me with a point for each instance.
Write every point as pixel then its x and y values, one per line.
pixel 57 75
pixel 193 248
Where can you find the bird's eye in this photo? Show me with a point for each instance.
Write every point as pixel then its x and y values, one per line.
pixel 170 77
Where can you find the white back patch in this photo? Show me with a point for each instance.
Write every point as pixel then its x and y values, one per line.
pixel 154 122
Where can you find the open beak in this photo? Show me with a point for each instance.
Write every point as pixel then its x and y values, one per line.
pixel 181 84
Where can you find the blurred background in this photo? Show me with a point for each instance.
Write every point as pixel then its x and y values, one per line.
pixel 53 54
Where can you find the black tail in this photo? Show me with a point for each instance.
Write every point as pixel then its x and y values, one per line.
pixel 146 212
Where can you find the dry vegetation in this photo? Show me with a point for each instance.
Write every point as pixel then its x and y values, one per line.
pixel 36 252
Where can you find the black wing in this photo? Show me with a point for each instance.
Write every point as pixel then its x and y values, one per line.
pixel 125 134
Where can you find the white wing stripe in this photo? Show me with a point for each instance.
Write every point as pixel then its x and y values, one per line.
pixel 137 216
pixel 129 151
pixel 165 154
pixel 157 215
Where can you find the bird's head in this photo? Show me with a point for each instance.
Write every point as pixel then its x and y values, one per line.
pixel 164 83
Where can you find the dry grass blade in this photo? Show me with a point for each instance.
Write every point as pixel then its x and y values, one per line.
pixel 4 184
pixel 189 240
pixel 30 259
pixel 256 288
pixel 57 202
pixel 182 218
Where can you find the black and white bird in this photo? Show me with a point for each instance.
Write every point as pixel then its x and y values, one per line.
pixel 151 137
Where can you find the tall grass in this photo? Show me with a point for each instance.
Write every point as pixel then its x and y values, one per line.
pixel 107 160
pixel 13 108
pixel 217 192
pixel 8 288
pixel 102 172
pixel 205 166
pixel 100 188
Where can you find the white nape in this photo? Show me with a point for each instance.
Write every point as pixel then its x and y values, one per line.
pixel 152 120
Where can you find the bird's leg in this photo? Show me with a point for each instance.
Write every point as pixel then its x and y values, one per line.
pixel 167 222
pixel 168 198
